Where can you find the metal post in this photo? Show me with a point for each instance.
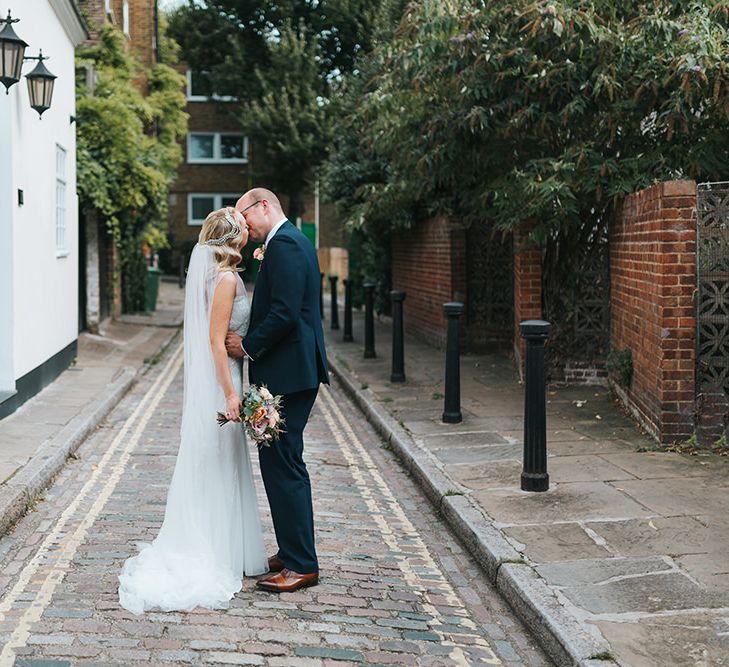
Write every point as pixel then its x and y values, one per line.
pixel 348 338
pixel 369 351
pixel 398 341
pixel 452 403
pixel 335 308
pixel 534 475
pixel 321 295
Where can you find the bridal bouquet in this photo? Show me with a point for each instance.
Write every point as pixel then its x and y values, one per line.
pixel 259 411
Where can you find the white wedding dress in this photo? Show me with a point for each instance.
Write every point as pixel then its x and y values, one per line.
pixel 211 535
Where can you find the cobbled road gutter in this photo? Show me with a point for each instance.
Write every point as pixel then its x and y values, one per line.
pixel 559 631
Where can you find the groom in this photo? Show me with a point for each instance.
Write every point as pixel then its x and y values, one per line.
pixel 285 350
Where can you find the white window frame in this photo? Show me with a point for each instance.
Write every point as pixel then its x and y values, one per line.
pixel 204 98
pixel 217 203
pixel 216 159
pixel 61 201
pixel 125 17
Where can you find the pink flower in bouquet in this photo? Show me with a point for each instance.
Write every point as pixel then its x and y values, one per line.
pixel 259 253
pixel 263 421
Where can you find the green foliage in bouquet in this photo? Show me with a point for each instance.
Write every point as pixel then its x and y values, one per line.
pixel 260 413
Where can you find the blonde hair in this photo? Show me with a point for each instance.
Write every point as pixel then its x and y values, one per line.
pixel 216 226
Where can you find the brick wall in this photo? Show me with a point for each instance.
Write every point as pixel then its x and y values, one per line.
pixel 142 30
pixel 527 289
pixel 93 12
pixel 142 37
pixel 429 265
pixel 203 178
pixel 653 269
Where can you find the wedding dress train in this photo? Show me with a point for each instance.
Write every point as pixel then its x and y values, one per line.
pixel 211 535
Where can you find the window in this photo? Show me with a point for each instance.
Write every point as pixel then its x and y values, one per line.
pixel 61 245
pixel 199 88
pixel 200 204
pixel 216 147
pixel 125 17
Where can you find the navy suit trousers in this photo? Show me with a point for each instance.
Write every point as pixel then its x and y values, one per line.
pixel 288 488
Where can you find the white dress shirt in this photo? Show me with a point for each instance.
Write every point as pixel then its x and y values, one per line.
pixel 274 229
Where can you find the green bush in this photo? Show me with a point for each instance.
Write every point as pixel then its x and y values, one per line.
pixel 620 366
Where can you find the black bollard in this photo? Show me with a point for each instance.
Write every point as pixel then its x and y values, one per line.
pixel 369 351
pixel 398 341
pixel 348 338
pixel 335 308
pixel 452 403
pixel 321 295
pixel 534 476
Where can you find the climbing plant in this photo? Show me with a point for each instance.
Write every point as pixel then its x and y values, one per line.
pixel 129 124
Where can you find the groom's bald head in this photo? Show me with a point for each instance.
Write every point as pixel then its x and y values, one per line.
pixel 262 210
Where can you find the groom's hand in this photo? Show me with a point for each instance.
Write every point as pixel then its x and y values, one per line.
pixel 233 345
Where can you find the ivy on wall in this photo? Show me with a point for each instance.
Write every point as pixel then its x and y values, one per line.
pixel 128 150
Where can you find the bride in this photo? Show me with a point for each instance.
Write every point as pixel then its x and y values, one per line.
pixel 211 535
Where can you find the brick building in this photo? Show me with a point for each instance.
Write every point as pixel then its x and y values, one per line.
pixel 136 18
pixel 215 170
pixel 218 166
pixel 100 294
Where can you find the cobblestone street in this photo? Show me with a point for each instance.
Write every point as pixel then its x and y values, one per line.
pixel 396 587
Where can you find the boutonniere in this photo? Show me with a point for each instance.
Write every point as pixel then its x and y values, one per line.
pixel 259 252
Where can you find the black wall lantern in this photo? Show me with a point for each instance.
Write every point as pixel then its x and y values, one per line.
pixel 12 55
pixel 40 85
pixel 12 50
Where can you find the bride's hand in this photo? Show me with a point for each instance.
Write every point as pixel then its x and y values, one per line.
pixel 232 407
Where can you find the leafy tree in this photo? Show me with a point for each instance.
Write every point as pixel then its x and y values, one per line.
pixel 503 112
pixel 127 151
pixel 281 61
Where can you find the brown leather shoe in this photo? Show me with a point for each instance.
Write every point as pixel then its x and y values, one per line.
pixel 275 564
pixel 287 581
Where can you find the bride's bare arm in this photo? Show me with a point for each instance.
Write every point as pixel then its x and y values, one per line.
pixel 219 324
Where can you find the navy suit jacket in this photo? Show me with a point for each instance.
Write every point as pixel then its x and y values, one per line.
pixel 285 339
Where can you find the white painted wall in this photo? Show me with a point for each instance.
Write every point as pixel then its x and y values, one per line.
pixel 7 366
pixel 44 282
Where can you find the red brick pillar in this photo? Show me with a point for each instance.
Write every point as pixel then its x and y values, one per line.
pixel 678 322
pixel 527 288
pixel 652 282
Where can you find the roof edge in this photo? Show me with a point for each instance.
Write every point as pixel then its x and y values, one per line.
pixel 71 19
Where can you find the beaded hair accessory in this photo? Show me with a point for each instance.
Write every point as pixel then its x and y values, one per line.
pixel 230 235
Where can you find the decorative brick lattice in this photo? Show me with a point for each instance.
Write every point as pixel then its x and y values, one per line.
pixel 712 309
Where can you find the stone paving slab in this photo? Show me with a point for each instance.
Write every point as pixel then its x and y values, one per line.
pixel 612 505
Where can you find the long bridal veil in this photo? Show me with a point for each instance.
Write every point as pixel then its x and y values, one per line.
pixel 211 534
